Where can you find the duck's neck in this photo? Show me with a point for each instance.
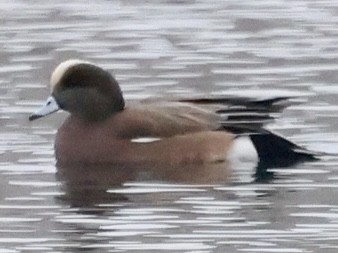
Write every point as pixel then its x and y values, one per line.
pixel 95 118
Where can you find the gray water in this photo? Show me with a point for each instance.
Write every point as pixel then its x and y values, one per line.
pixel 231 47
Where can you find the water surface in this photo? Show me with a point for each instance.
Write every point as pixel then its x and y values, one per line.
pixel 252 48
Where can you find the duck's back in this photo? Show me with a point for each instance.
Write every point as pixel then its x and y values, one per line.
pixel 164 120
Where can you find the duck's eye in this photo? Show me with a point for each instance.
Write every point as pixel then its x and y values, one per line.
pixel 49 102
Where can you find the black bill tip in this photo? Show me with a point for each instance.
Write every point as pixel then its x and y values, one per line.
pixel 34 117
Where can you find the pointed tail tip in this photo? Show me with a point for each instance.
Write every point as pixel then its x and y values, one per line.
pixel 276 151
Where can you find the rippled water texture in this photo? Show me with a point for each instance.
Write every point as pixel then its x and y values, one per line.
pixel 229 47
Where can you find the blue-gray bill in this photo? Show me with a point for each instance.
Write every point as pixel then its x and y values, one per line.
pixel 49 107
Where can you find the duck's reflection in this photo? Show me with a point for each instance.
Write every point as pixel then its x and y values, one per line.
pixel 92 192
pixel 86 185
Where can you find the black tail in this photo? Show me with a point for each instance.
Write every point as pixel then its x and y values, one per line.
pixel 273 150
pixel 276 151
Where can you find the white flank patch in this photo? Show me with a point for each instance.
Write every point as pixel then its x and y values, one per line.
pixel 243 158
pixel 145 139
pixel 243 150
pixel 61 69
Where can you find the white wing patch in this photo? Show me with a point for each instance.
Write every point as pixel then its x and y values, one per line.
pixel 145 139
pixel 61 69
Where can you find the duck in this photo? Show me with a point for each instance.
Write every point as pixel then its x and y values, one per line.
pixel 103 128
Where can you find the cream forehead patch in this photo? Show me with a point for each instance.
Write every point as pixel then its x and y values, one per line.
pixel 61 69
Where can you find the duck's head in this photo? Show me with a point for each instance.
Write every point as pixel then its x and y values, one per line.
pixel 83 89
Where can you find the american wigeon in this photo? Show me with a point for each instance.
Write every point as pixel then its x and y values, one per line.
pixel 103 128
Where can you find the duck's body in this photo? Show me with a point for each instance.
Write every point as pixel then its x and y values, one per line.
pixel 102 129
pixel 143 137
